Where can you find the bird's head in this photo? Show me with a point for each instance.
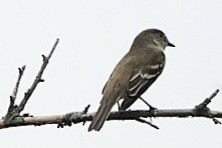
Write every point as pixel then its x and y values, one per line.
pixel 153 37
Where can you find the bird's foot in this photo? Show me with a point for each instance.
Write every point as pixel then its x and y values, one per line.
pixel 150 106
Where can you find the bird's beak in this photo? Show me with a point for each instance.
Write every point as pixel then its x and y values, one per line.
pixel 170 44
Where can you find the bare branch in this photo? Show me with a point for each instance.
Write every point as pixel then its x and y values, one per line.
pixel 14 110
pixel 21 71
pixel 216 121
pixel 85 111
pixel 82 117
pixel 38 78
pixel 207 100
pixel 10 113
pixel 147 122
pixel 15 90
pixel 79 117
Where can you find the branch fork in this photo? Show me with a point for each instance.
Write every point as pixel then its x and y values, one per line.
pixel 15 110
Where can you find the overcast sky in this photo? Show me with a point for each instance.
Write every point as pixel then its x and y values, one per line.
pixel 94 36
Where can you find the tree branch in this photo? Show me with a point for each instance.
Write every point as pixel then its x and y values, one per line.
pixel 207 101
pixel 12 111
pixel 79 117
pixel 38 78
pixel 15 110
pixel 82 117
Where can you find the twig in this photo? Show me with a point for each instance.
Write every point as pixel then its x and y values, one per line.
pixel 85 111
pixel 147 122
pixel 216 121
pixel 203 109
pixel 15 90
pixel 207 100
pixel 14 110
pixel 10 113
pixel 38 78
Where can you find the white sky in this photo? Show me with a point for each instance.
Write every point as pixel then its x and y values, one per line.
pixel 94 37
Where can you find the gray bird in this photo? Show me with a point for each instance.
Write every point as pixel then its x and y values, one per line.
pixel 133 75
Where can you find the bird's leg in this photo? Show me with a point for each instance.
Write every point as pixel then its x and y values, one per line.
pixel 118 104
pixel 150 106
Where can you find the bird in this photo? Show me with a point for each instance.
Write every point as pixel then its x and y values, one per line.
pixel 133 75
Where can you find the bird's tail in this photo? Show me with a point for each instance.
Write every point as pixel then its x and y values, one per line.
pixel 100 117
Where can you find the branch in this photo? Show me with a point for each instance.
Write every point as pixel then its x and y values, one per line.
pixel 15 110
pixel 38 77
pixel 79 117
pixel 12 112
pixel 204 104
pixel 82 117
pixel 147 122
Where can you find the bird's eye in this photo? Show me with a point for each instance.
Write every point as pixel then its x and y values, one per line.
pixel 161 35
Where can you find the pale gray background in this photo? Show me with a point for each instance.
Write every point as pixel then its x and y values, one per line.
pixel 94 37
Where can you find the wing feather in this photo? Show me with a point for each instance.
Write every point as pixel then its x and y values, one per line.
pixel 143 78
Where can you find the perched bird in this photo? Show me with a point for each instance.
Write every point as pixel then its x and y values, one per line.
pixel 133 75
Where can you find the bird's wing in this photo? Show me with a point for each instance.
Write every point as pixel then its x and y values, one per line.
pixel 143 78
pixel 140 81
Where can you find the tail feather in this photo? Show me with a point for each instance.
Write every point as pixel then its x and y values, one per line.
pixel 100 117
